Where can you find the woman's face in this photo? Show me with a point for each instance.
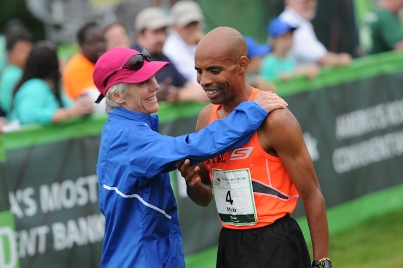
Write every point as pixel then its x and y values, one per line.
pixel 142 97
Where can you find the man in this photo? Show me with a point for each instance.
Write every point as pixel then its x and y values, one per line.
pixel 307 48
pixel 257 185
pixel 135 195
pixel 187 30
pixel 116 35
pixel 18 47
pixel 151 33
pixel 77 75
pixel 382 31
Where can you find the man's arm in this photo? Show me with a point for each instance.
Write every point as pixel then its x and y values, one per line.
pixel 398 46
pixel 287 141
pixel 331 59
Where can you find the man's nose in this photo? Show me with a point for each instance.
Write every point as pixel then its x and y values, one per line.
pixel 203 79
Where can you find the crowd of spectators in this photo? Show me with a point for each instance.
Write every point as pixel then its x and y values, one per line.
pixel 292 48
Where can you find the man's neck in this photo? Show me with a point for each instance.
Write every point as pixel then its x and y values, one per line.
pixel 228 107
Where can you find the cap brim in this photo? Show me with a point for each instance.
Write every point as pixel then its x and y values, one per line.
pixel 163 23
pixel 148 70
pixel 187 19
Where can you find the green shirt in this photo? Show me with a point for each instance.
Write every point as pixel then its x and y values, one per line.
pixel 380 32
pixel 35 103
pixel 272 67
pixel 8 79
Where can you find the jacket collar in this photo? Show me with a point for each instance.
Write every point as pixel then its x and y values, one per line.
pixel 150 120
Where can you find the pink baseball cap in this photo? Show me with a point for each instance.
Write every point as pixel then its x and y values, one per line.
pixel 109 69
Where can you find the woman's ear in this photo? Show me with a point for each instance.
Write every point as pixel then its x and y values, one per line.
pixel 243 63
pixel 119 98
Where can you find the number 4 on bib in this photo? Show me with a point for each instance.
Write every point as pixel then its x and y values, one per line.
pixel 228 198
pixel 233 195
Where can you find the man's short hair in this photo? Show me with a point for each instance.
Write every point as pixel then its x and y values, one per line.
pixel 16 35
pixel 82 32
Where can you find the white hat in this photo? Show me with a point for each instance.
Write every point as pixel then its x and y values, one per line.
pixel 151 18
pixel 184 12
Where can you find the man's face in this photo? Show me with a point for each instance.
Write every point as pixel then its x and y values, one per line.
pixel 94 44
pixel 305 8
pixel 217 74
pixel 116 36
pixel 152 40
pixel 19 54
pixel 191 33
pixel 284 42
pixel 397 5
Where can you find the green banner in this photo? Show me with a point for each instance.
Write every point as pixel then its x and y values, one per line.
pixel 8 245
pixel 53 193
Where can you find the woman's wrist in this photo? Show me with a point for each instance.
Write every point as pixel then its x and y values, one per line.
pixel 68 113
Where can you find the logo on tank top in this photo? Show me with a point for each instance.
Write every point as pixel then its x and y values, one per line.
pixel 217 159
pixel 241 153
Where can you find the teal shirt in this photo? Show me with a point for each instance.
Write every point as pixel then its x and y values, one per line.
pixel 8 79
pixel 35 103
pixel 3 52
pixel 272 67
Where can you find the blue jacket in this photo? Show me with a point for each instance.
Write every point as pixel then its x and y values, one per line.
pixel 135 195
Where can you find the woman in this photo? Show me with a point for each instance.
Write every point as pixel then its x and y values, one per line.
pixel 142 228
pixel 38 97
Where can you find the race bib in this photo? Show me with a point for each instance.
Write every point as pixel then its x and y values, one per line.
pixel 233 194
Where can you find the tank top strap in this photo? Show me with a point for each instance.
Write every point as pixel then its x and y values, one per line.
pixel 253 93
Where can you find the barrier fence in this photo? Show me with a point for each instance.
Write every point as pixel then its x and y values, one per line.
pixel 352 122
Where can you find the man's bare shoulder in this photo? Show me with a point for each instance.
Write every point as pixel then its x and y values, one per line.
pixel 280 118
pixel 281 124
pixel 204 117
pixel 280 130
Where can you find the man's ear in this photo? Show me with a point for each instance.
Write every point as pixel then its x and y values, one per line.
pixel 243 63
pixel 117 97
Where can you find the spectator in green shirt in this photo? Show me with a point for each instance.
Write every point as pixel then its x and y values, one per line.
pixel 382 31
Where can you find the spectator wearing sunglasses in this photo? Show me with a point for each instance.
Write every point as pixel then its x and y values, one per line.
pixel 151 26
pixel 77 75
pixel 136 198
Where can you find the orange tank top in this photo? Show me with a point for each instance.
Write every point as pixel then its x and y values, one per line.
pixel 251 187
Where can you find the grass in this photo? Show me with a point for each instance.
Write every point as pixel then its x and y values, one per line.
pixel 377 242
pixel 374 243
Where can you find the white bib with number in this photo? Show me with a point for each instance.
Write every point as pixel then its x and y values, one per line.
pixel 233 194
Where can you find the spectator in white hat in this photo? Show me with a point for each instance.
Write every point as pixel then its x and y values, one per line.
pixel 151 26
pixel 187 30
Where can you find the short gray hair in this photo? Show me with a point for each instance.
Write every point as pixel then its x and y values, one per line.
pixel 110 104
